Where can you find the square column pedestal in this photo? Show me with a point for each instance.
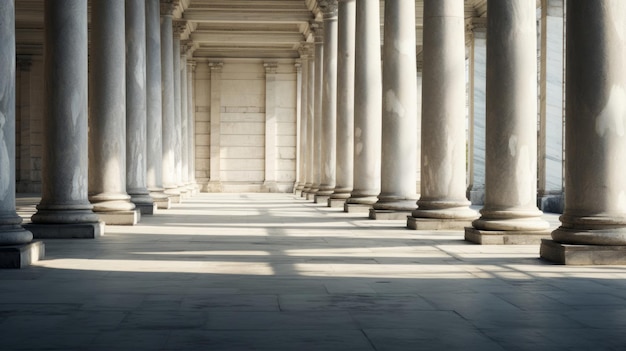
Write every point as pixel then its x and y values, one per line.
pixel 322 199
pixel 356 208
pixel 582 254
pixel 505 237
pixel 21 256
pixel 436 224
pixel 388 214
pixel 120 217
pixel 336 203
pixel 66 231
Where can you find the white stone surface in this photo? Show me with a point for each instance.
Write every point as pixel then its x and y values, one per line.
pixel 477 127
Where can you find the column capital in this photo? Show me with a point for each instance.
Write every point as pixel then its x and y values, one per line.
pixel 298 65
pixel 328 8
pixel 270 67
pixel 476 24
pixel 179 27
pixel 188 47
pixel 216 66
pixel 318 32
pixel 191 65
pixel 168 7
pixel 305 50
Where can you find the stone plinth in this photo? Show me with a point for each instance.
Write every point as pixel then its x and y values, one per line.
pixel 120 217
pixel 336 203
pixel 147 209
pixel 505 237
pixel 322 199
pixel 66 231
pixel 437 223
pixel 388 214
pixel 356 208
pixel 163 203
pixel 582 254
pixel 21 256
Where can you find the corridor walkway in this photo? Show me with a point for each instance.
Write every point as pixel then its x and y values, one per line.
pixel 274 272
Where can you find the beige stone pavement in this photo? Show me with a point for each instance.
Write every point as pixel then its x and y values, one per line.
pixel 275 272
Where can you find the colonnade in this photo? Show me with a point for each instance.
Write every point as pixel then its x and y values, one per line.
pixel 380 111
pixel 134 156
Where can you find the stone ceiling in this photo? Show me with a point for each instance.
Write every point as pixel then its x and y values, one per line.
pixel 228 28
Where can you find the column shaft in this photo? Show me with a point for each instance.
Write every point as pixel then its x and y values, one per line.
pixel 442 203
pixel 399 144
pixel 154 108
pixel 345 102
pixel 302 132
pixel 11 231
pixel 178 156
pixel 271 127
pixel 511 136
pixel 215 117
pixel 107 114
pixel 478 73
pixel 550 162
pixel 184 121
pixel 317 111
pixel 168 122
pixel 191 121
pixel 310 125
pixel 136 106
pixel 367 107
pixel 64 158
pixel 595 209
pixel 328 137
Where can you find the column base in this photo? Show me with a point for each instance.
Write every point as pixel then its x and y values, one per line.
pixel 270 187
pixel 66 231
pixel 356 208
pixel 120 217
pixel 336 203
pixel 21 256
pixel 310 196
pixel 437 223
pixel 214 187
pixel 582 254
pixel 147 209
pixel 321 199
pixel 505 237
pixel 388 215
pixel 163 203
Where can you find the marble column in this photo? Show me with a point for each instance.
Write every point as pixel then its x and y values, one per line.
pixel 154 110
pixel 345 103
pixel 64 210
pixel 184 121
pixel 550 162
pixel 215 185
pixel 399 145
pixel 168 122
pixel 24 150
pixel 136 107
pixel 107 116
pixel 191 126
pixel 302 127
pixel 510 214
pixel 442 203
pixel 328 131
pixel 476 142
pixel 271 127
pixel 593 224
pixel 310 124
pixel 16 247
pixel 367 108
pixel 179 28
pixel 316 160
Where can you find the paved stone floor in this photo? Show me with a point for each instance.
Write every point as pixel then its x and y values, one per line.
pixel 274 272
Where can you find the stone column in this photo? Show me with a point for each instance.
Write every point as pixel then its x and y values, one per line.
pixel 23 152
pixel 476 142
pixel 16 247
pixel 215 184
pixel 184 121
pixel 345 103
pixel 302 109
pixel 510 214
pixel 367 108
pixel 399 145
pixel 154 110
pixel 310 124
pixel 442 203
pixel 179 28
pixel 136 107
pixel 107 116
pixel 64 210
pixel 168 122
pixel 317 112
pixel 550 162
pixel 593 224
pixel 191 126
pixel 270 127
pixel 328 123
